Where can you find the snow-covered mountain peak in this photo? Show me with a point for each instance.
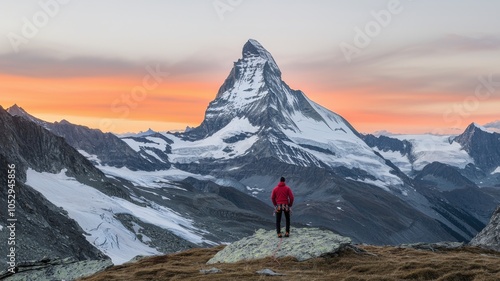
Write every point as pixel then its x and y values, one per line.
pixel 253 48
pixel 256 114
pixel 474 130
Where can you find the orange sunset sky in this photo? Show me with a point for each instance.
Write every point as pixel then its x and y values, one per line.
pixel 379 65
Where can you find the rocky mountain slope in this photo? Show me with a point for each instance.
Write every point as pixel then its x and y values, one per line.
pixel 68 208
pixel 482 145
pixel 489 237
pixel 43 228
pixel 101 148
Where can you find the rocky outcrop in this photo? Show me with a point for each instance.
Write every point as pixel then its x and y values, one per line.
pixel 303 244
pixel 57 269
pixel 489 237
pixel 385 143
pixel 440 246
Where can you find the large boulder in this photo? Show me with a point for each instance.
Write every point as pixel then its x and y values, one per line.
pixel 303 244
pixel 489 237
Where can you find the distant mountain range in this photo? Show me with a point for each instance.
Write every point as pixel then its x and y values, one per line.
pixel 162 192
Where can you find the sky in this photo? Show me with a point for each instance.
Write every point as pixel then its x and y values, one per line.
pixel 394 66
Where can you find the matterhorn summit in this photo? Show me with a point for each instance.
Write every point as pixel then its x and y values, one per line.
pixel 255 114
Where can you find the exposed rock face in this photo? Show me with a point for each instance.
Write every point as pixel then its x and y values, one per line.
pixel 48 229
pixel 57 269
pixel 489 237
pixel 42 228
pixel 105 148
pixel 385 143
pixel 303 244
pixel 444 176
pixel 482 145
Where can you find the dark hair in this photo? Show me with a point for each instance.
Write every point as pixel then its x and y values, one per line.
pixel 282 179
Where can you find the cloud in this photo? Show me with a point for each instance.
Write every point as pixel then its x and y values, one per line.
pixel 41 65
pixel 44 65
pixel 493 126
pixel 447 64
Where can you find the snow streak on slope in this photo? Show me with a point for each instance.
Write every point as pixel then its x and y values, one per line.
pixel 154 142
pixel 156 179
pixel 95 212
pixel 497 171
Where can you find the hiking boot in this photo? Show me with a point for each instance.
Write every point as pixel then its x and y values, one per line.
pixel 279 235
pixel 287 234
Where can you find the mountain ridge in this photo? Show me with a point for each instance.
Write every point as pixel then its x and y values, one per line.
pixel 106 147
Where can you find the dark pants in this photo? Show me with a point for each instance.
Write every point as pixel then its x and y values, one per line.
pixel 278 219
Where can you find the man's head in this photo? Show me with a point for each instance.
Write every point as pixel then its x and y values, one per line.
pixel 282 179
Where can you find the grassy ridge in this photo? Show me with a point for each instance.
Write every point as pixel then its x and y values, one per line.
pixel 377 263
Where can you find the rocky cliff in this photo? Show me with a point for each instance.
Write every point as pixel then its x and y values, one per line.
pixel 489 237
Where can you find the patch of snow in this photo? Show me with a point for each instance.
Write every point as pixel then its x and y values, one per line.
pixel 401 161
pixel 135 145
pixel 153 179
pixel 157 143
pixel 152 153
pixel 95 212
pixel 151 192
pixel 430 148
pixel 90 157
pixel 496 171
pixel 214 146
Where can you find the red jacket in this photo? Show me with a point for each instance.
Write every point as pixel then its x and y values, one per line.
pixel 282 194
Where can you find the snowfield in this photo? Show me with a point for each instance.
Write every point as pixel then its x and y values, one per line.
pixel 214 145
pixel 156 179
pixel 95 212
pixel 430 148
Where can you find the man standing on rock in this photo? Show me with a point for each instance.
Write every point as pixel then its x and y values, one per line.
pixel 282 198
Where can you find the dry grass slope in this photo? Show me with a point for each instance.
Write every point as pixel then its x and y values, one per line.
pixel 379 263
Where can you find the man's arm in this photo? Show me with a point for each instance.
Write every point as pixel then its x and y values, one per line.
pixel 290 197
pixel 273 197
